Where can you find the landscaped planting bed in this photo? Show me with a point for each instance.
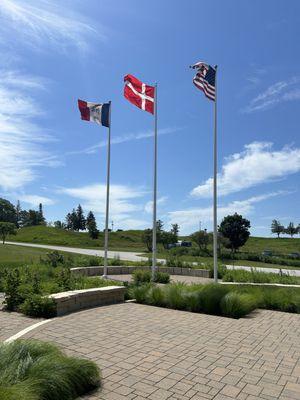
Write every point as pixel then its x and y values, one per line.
pixel 33 370
pixel 239 275
pixel 26 288
pixel 217 299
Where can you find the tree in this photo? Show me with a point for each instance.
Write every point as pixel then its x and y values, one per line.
pixel 236 229
pixel 80 219
pixel 91 226
pixel 201 238
pixel 18 211
pixel 42 220
pixel 276 227
pixel 7 228
pixel 59 224
pixel 30 218
pixel 7 212
pixel 167 238
pixel 72 221
pixel 222 242
pixel 147 238
pixel 291 229
pixel 175 231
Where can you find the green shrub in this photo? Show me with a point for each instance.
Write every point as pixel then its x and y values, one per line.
pixel 39 306
pixel 236 305
pixel 32 370
pixel 161 277
pixel 54 259
pixel 140 293
pixel 12 283
pixel 140 276
pixel 221 270
pixel 211 296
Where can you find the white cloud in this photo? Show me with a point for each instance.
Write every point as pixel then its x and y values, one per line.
pixel 258 163
pixel 188 220
pixel 277 93
pixel 149 204
pixel 126 138
pixel 37 21
pixel 34 200
pixel 21 150
pixel 123 205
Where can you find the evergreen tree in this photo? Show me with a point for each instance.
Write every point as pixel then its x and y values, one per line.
pixel 69 221
pixel 91 226
pixel 74 220
pixel 42 220
pixel 18 211
pixel 277 228
pixel 80 219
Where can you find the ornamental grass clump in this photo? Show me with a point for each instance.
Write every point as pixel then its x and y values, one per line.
pixel 33 370
pixel 211 296
pixel 141 276
pixel 236 305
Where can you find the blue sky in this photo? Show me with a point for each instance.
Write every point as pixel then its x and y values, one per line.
pixel 54 52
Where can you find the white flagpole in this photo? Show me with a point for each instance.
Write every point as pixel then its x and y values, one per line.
pixel 107 196
pixel 215 244
pixel 154 187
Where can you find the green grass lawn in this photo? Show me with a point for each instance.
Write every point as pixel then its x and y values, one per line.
pixel 19 255
pixel 131 240
pixel 281 245
pixel 126 240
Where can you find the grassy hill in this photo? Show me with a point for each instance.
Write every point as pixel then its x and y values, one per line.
pixel 131 240
pixel 127 240
pixel 281 245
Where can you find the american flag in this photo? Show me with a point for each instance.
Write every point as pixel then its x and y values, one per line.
pixel 205 79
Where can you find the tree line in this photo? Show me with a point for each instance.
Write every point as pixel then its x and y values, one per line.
pixel 76 221
pixel 290 229
pixel 233 232
pixel 13 217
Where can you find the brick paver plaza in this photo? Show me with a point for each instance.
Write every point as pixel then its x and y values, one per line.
pixel 154 353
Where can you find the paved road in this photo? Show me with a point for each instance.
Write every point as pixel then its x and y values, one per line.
pixel 133 256
pixel 123 255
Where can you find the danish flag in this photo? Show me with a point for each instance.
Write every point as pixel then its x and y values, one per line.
pixel 139 94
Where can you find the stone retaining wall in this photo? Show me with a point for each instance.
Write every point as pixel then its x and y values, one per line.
pixel 96 271
pixel 67 302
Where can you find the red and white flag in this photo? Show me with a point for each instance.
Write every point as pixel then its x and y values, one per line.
pixel 139 94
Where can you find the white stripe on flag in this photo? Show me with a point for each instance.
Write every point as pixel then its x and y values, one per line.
pixel 142 96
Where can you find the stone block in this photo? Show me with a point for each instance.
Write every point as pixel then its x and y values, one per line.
pixel 67 302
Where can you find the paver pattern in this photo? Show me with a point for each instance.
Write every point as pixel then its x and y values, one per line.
pixel 154 353
pixel 12 323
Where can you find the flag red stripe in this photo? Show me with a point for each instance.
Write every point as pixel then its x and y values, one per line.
pixel 84 110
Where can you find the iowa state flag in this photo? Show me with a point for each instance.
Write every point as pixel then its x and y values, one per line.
pixel 139 94
pixel 96 112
